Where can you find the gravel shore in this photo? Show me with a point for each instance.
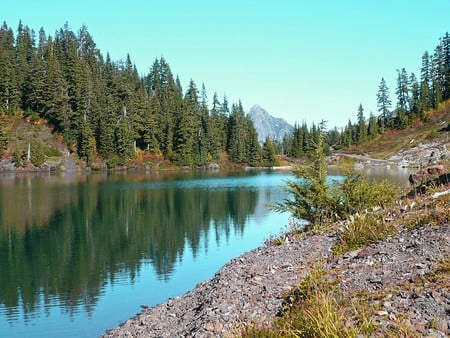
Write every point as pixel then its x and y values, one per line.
pixel 250 289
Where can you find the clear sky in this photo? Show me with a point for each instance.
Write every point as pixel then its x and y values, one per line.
pixel 300 60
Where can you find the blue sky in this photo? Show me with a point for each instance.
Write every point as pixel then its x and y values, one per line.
pixel 300 60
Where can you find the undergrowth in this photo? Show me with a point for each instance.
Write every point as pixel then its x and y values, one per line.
pixel 316 308
pixel 361 230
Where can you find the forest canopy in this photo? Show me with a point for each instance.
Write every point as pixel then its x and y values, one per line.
pixel 105 108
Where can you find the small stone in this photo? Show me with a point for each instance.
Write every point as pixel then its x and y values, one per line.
pixel 218 328
pixel 209 327
pixel 442 325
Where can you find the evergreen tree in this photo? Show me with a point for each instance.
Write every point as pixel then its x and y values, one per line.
pixel 123 139
pixel 25 55
pixel 384 104
pixel 217 129
pixel 362 127
pixel 9 84
pixel 86 142
pixel 402 91
pixel 426 95
pixel 445 43
pixel 372 129
pixel 437 75
pixel 187 127
pixel 253 149
pixel 414 98
pixel 268 153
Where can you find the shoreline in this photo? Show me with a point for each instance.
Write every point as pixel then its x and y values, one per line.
pixel 249 291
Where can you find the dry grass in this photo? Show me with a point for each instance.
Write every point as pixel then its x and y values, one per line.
pixel 316 308
pixel 361 230
pixel 391 142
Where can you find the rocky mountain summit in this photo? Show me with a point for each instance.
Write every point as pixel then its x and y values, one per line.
pixel 267 125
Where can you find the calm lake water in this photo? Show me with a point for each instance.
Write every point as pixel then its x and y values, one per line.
pixel 80 254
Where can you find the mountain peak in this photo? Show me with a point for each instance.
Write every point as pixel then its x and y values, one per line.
pixel 267 125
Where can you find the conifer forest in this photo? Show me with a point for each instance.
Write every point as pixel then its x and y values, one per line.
pixel 107 109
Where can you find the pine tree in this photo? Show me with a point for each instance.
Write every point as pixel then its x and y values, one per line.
pixel 384 105
pixel 25 55
pixel 253 149
pixel 362 127
pixel 402 91
pixel 86 142
pixel 437 75
pixel 124 139
pixel 445 42
pixel 187 126
pixel 372 129
pixel 312 200
pixel 425 95
pixel 9 86
pixel 414 98
pixel 217 129
pixel 268 153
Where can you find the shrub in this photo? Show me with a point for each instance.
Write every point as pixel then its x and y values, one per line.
pixel 313 199
pixel 359 194
pixel 361 230
pixel 37 153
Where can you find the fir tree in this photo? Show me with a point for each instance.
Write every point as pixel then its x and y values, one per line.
pixel 362 127
pixel 268 153
pixel 384 104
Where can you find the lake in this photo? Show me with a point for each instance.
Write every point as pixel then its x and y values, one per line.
pixel 81 253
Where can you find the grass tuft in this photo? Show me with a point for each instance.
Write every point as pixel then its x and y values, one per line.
pixel 360 230
pixel 316 308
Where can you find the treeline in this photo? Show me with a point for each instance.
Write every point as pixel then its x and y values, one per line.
pixel 105 108
pixel 414 97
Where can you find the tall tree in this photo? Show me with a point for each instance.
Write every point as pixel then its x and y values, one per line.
pixel 9 83
pixel 384 104
pixel 268 153
pixel 372 129
pixel 362 126
pixel 414 97
pixel 187 128
pixel 426 95
pixel 402 91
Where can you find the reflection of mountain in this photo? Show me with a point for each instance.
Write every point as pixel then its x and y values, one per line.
pixel 91 232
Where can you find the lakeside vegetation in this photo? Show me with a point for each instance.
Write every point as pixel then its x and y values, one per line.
pixel 360 212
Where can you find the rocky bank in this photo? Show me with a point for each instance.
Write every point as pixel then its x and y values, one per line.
pixel 250 289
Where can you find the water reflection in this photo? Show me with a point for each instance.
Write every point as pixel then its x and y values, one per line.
pixel 392 173
pixel 62 239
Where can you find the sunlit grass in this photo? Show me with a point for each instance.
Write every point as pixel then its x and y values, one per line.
pixel 316 308
pixel 361 230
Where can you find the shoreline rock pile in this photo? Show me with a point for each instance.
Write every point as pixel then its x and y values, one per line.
pixel 250 290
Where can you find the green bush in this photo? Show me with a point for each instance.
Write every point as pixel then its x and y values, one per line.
pixel 52 152
pixel 37 153
pixel 314 200
pixel 361 230
pixel 359 194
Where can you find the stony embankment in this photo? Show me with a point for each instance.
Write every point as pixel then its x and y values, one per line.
pixel 250 289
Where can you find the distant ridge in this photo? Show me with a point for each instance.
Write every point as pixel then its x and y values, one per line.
pixel 267 125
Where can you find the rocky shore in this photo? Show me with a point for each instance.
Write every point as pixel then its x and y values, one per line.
pixel 250 290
